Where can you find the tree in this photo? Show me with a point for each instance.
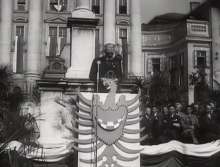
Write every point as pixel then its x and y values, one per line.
pixel 13 126
pixel 202 91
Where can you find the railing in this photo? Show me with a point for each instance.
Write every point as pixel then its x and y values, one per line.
pixel 197 28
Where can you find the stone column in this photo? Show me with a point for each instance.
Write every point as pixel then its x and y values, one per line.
pixel 34 42
pixel 109 21
pixel 136 59
pixel 5 31
pixel 82 26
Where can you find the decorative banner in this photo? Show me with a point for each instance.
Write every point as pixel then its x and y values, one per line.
pixel 108 130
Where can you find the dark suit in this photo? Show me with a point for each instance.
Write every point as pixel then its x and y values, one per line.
pixel 108 68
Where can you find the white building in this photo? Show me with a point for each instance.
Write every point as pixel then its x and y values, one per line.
pixel 36 42
pixel 33 31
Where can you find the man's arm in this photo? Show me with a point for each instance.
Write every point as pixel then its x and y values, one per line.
pixel 93 70
pixel 119 67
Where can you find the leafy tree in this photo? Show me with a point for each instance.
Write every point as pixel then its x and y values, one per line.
pixel 13 126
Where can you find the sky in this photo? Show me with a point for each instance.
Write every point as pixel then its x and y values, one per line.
pixel 152 8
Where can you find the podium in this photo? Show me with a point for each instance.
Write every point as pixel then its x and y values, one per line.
pixel 106 125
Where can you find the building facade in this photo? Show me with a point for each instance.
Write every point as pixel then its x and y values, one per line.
pixel 32 32
pixel 178 47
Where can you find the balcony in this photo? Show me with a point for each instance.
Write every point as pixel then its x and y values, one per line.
pixel 197 28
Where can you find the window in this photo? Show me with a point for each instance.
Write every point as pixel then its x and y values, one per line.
pixel 96 6
pixel 56 40
pixel 123 33
pixel 19 50
pixel 173 63
pixel 20 31
pixel 194 5
pixel 156 65
pixel 58 5
pixel 200 59
pixel 122 6
pixel 21 5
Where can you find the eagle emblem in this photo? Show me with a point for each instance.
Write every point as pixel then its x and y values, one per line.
pixel 104 127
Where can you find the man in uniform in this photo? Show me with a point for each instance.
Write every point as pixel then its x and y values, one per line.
pixel 107 66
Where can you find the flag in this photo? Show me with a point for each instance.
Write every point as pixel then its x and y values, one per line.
pixel 14 64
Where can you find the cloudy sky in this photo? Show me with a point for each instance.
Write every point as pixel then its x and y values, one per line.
pixel 152 8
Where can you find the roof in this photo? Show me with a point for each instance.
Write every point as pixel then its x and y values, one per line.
pixel 167 18
pixel 202 12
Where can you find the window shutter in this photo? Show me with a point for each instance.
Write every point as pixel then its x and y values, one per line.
pixel 195 58
pixel 53 41
pixel 15 55
pixel 48 47
pixel 58 46
pixel 162 64
pixel 53 46
pixel 149 65
pixel 20 49
pixel 208 58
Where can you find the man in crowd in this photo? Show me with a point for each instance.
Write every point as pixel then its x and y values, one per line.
pixel 147 122
pixel 175 123
pixel 209 125
pixel 190 125
pixel 156 124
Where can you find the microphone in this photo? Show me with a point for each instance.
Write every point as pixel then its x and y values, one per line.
pixel 97 76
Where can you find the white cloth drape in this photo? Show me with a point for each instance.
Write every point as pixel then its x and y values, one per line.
pixel 198 150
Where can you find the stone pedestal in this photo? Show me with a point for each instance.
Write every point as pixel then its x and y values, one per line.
pixel 82 26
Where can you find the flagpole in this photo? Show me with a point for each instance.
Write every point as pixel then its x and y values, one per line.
pixel 98 77
pixel 97 90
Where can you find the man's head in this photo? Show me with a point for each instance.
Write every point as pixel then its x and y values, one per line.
pixel 109 49
pixel 196 106
pixel 189 109
pixel 148 111
pixel 172 109
pixel 154 109
pixel 209 109
pixel 165 110
pixel 178 106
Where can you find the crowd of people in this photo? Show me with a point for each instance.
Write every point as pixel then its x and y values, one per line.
pixel 195 123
